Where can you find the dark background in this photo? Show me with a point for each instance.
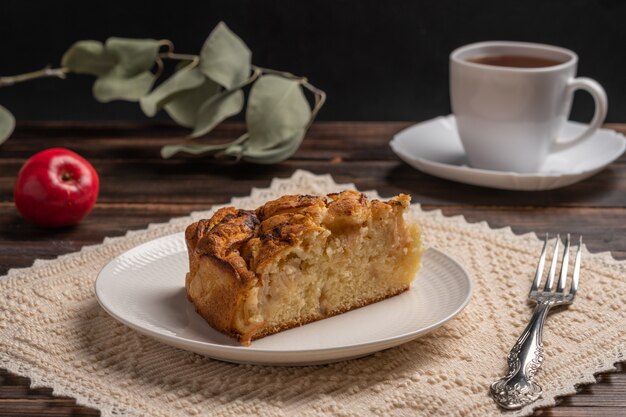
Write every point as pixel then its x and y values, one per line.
pixel 377 60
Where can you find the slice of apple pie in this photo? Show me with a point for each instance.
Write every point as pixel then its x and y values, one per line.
pixel 298 259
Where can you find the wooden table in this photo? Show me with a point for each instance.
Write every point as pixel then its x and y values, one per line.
pixel 138 188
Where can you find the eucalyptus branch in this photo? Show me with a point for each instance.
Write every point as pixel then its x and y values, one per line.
pixel 320 99
pixel 42 73
pixel 194 60
pixel 168 44
pixel 204 90
pixel 160 66
pixel 283 74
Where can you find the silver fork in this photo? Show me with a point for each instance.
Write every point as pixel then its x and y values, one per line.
pixel 517 388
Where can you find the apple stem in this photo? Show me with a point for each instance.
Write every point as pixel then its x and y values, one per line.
pixel 66 176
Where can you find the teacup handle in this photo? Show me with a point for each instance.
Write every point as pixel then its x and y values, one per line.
pixel 601 104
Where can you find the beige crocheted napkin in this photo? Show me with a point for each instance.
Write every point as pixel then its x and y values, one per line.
pixel 53 331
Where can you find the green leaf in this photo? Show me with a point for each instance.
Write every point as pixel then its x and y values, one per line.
pixel 88 57
pixel 114 86
pixel 274 155
pixel 197 148
pixel 225 58
pixel 182 80
pixel 7 124
pixel 277 112
pixel 123 66
pixel 234 150
pixel 183 106
pixel 216 109
pixel 134 55
pixel 193 148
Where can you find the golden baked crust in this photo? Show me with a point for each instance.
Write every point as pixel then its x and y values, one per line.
pixel 237 254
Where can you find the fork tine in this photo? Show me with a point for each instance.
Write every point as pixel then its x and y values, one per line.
pixel 540 266
pixel 560 286
pixel 553 263
pixel 576 268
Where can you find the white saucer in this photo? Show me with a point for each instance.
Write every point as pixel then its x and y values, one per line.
pixel 434 147
pixel 144 288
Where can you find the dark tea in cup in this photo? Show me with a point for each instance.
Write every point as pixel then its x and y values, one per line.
pixel 515 61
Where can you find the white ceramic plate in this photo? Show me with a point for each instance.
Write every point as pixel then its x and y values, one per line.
pixel 434 147
pixel 144 289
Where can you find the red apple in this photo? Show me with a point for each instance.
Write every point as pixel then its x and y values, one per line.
pixel 55 188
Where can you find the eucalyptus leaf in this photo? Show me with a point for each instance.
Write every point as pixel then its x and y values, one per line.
pixel 182 80
pixel 134 55
pixel 197 148
pixel 216 109
pixel 225 58
pixel 122 66
pixel 183 106
pixel 88 57
pixel 277 154
pixel 114 86
pixel 193 148
pixel 7 124
pixel 233 150
pixel 277 112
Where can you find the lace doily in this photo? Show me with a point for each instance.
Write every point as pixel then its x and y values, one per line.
pixel 53 331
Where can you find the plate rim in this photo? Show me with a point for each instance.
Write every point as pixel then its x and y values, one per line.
pixel 229 350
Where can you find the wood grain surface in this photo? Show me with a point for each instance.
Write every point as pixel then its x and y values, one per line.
pixel 138 188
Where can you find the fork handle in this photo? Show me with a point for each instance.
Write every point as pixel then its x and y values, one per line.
pixel 517 388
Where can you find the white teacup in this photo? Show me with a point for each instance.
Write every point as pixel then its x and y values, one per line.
pixel 511 100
